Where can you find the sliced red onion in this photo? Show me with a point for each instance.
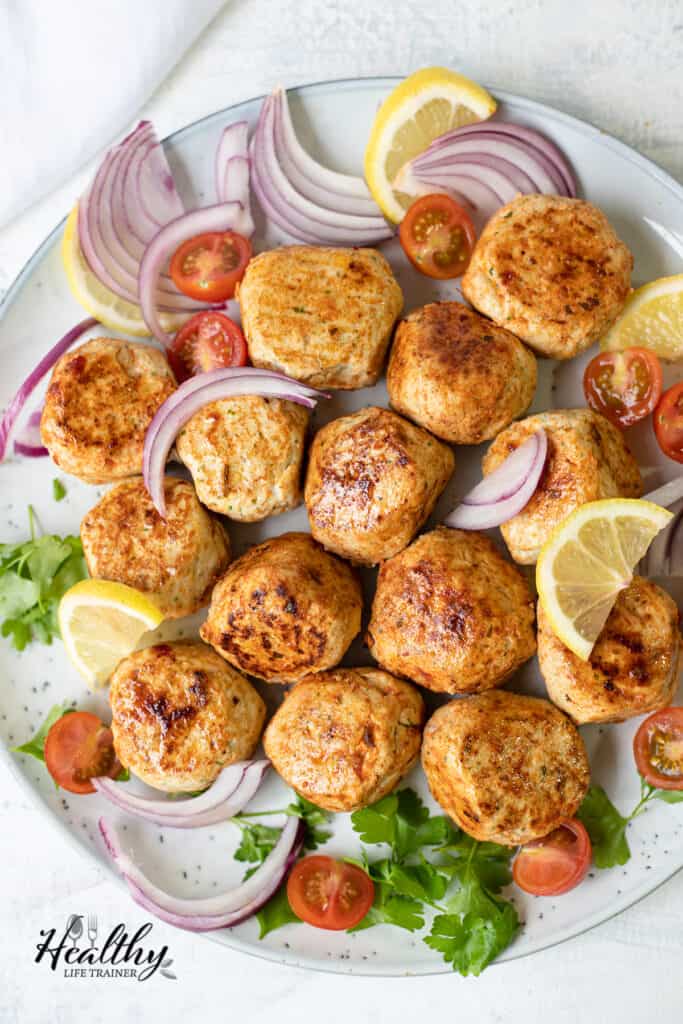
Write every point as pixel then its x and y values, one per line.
pixel 29 441
pixel 233 142
pixel 230 793
pixel 193 395
pixel 341 192
pixel 131 196
pixel 294 213
pixel 503 159
pixel 224 911
pixel 34 378
pixel 223 217
pixel 531 137
pixel 508 489
pixel 540 173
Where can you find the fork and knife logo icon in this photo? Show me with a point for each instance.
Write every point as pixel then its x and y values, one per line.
pixel 74 928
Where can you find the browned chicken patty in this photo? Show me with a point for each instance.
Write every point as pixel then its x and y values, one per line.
pixel 506 768
pixel 552 271
pixel 344 739
pixel 175 561
pixel 457 374
pixel 101 399
pixel 284 609
pixel 180 715
pixel 245 456
pixel 635 664
pixel 587 460
pixel 324 316
pixel 373 479
pixel 452 614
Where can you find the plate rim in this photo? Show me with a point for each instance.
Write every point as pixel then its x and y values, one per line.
pixel 228 939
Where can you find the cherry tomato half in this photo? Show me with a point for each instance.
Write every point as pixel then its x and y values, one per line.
pixel 555 864
pixel 438 236
pixel 668 422
pixel 209 266
pixel 658 749
pixel 328 893
pixel 79 747
pixel 208 341
pixel 624 386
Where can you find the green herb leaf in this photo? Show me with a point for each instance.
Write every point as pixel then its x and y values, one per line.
pixel 276 913
pixel 470 941
pixel 58 490
pixel 488 861
pixel 669 796
pixel 36 746
pixel 390 908
pixel 256 843
pixel 403 822
pixel 123 776
pixel 313 817
pixel 606 828
pixel 34 575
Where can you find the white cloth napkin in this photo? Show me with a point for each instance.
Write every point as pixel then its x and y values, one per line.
pixel 74 75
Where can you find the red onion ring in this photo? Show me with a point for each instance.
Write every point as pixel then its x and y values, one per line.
pixel 531 137
pixel 230 793
pixel 536 167
pixel 193 395
pixel 504 492
pixel 34 378
pixel 213 912
pixel 29 441
pixel 341 192
pixel 293 212
pixel 233 142
pixel 223 217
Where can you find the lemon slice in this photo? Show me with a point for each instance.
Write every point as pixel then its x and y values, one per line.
pixel 107 307
pixel 102 622
pixel 652 318
pixel 422 107
pixel 589 558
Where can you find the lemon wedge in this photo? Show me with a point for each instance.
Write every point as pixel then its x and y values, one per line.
pixel 102 622
pixel 425 105
pixel 588 560
pixel 107 307
pixel 652 318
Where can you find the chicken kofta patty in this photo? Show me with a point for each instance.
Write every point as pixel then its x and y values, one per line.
pixel 175 560
pixel 633 668
pixel 552 271
pixel 587 460
pixel 180 715
pixel 324 316
pixel 457 374
pixel 344 739
pixel 245 455
pixel 452 614
pixel 373 479
pixel 506 768
pixel 284 609
pixel 101 399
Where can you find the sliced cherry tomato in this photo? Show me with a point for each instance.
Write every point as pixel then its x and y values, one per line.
pixel 79 747
pixel 658 749
pixel 668 422
pixel 438 236
pixel 555 864
pixel 209 266
pixel 208 341
pixel 624 386
pixel 328 893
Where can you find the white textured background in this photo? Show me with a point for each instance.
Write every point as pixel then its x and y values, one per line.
pixel 617 63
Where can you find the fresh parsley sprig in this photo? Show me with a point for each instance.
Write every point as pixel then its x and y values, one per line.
pixel 34 575
pixel 607 827
pixel 427 865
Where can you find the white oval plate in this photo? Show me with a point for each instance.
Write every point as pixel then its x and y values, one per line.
pixel 646 208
